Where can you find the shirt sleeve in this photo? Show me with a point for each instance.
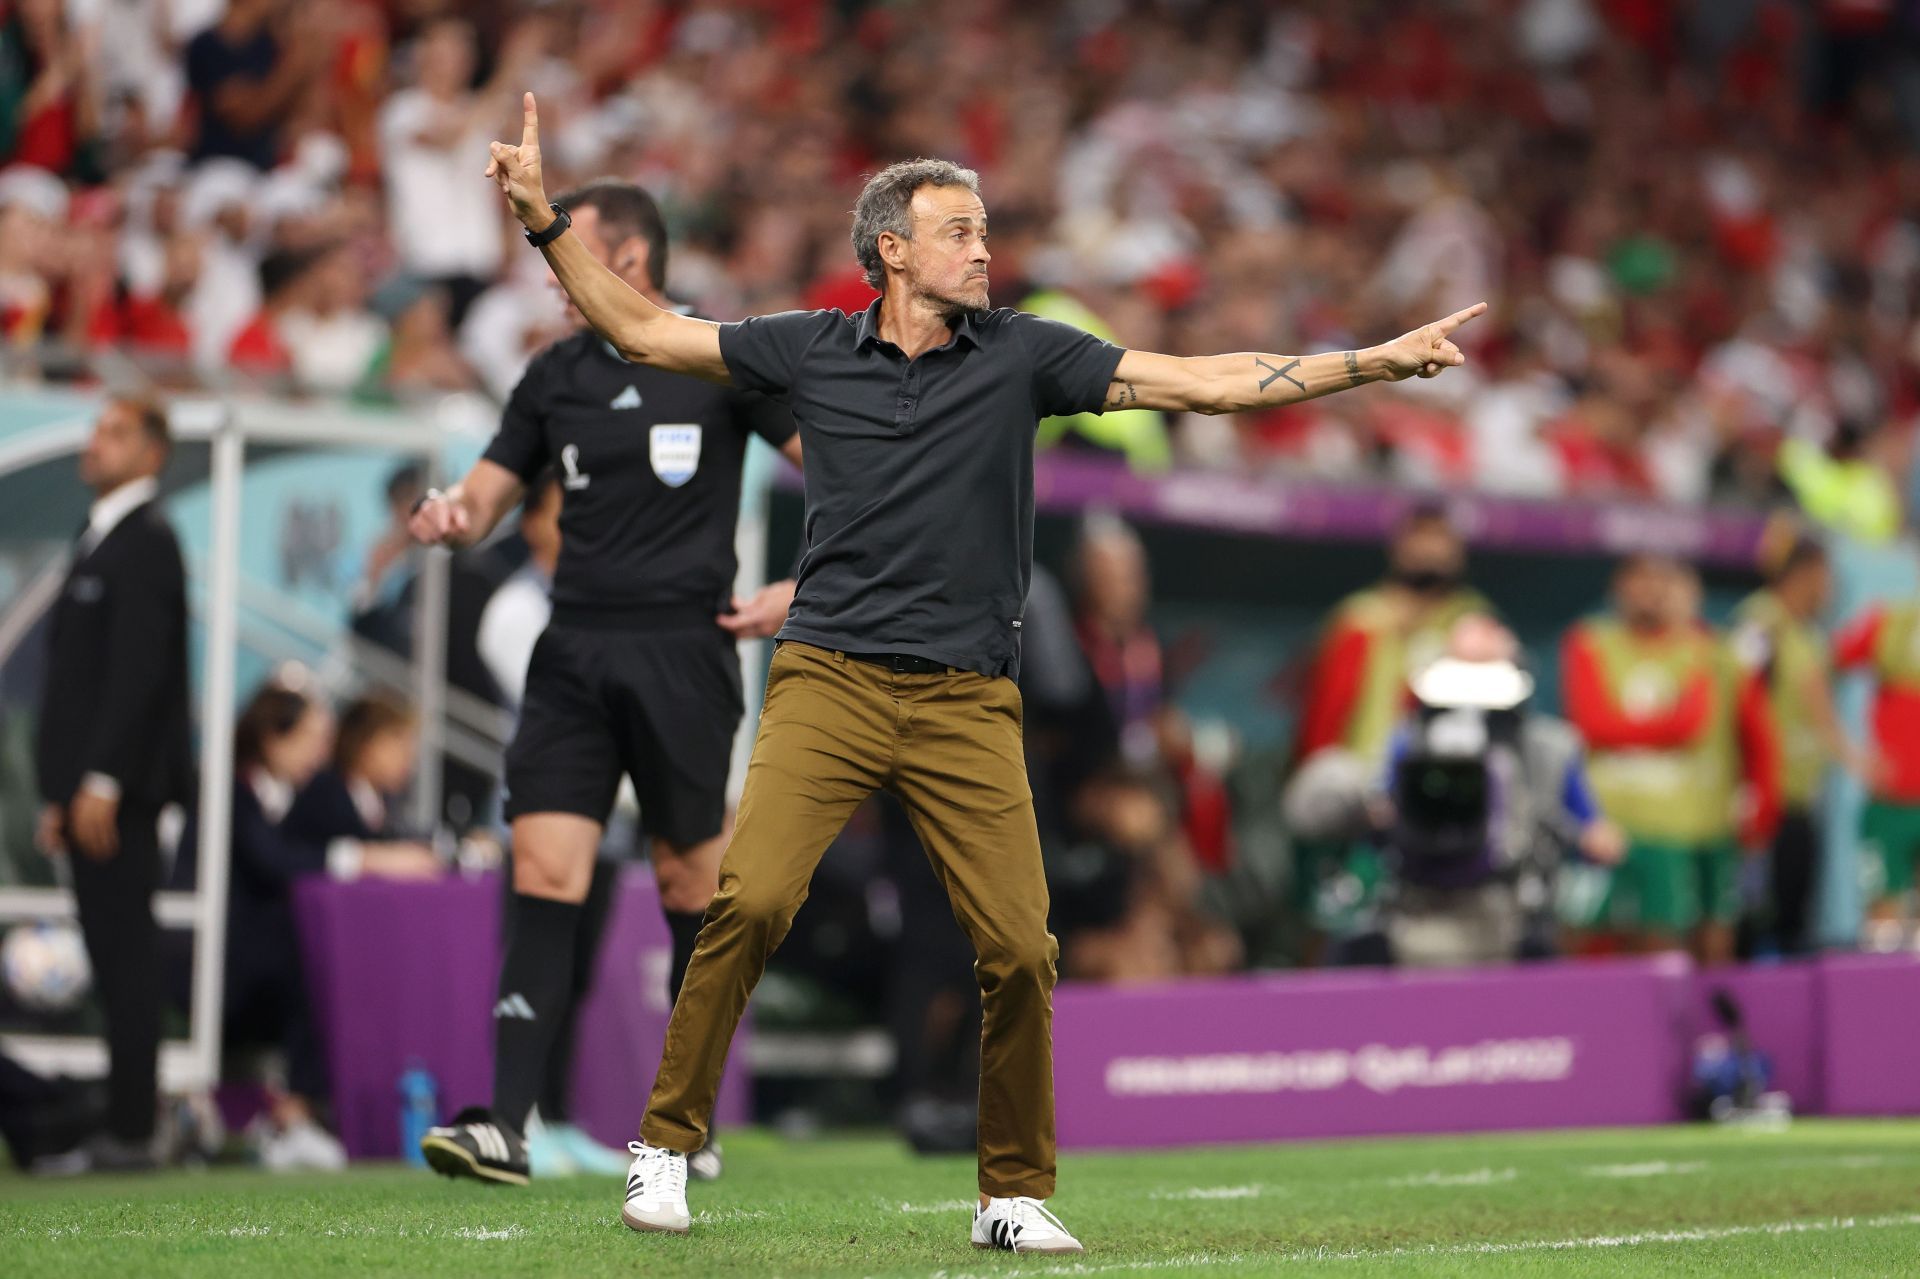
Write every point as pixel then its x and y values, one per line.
pixel 1855 644
pixel 520 444
pixel 1071 367
pixel 763 353
pixel 769 419
pixel 1576 793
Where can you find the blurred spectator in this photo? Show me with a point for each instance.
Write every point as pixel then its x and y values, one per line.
pixel 1778 638
pixel 282 740
pixel 348 808
pixel 1126 902
pixel 247 73
pixel 1139 435
pixel 1376 639
pixel 50 99
pixel 1694 218
pixel 448 228
pixel 1685 758
pixel 1110 615
pixel 1886 642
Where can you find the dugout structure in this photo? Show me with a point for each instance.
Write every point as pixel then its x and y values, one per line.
pixel 215 437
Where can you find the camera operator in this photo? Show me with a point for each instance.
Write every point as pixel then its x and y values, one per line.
pixel 1482 800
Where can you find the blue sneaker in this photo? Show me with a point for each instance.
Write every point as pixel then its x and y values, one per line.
pixel 585 1154
pixel 547 1154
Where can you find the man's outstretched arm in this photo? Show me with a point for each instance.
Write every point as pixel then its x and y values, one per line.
pixel 1253 380
pixel 636 328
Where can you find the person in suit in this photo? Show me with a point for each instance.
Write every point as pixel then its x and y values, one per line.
pixel 112 746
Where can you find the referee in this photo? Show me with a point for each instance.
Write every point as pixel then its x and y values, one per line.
pixel 896 665
pixel 637 671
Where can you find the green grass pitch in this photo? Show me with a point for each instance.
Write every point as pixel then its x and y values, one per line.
pixel 1823 1198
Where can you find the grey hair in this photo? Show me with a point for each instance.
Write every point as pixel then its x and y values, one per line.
pixel 883 206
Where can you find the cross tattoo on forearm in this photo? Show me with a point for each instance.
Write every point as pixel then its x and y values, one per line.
pixel 1273 373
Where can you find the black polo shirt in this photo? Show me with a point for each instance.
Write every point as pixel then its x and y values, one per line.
pixel 919 473
pixel 649 466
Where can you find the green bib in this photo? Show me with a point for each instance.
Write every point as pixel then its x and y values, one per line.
pixel 1393 659
pixel 1677 795
pixel 1800 660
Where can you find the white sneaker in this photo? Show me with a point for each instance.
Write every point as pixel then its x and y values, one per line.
pixel 656 1190
pixel 302 1147
pixel 1021 1225
pixel 705 1163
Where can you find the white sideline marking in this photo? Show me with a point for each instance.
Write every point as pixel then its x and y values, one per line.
pixel 1702 1234
pixel 469 1232
pixel 1211 1192
pixel 942 1205
pixel 1652 1168
pixel 1478 1177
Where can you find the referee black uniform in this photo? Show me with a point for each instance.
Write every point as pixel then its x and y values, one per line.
pixel 632 675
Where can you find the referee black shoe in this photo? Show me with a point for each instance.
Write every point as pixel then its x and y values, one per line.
pixel 477 1145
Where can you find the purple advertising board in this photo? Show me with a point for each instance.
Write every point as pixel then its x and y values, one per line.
pixel 1869 1033
pixel 406 974
pixel 1778 1006
pixel 1351 1053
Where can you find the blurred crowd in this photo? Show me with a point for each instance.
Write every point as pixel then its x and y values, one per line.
pixel 1698 220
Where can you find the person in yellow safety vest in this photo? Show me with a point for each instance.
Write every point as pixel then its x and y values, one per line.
pixel 1778 639
pixel 1357 693
pixel 1676 730
pixel 1140 435
pixel 1378 638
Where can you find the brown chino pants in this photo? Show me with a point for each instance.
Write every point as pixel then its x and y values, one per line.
pixel 833 731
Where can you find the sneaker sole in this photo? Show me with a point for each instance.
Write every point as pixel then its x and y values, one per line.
pixel 450 1159
pixel 1028 1252
pixel 648 1227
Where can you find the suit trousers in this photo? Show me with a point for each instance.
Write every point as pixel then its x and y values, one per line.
pixel 834 730
pixel 115 899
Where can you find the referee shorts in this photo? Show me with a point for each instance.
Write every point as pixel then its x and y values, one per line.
pixel 660 706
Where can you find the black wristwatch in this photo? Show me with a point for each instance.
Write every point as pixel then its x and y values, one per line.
pixel 561 221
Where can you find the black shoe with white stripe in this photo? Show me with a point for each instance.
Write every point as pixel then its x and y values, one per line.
pixel 477 1145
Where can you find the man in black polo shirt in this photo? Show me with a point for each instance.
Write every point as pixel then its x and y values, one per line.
pixel 637 672
pixel 896 662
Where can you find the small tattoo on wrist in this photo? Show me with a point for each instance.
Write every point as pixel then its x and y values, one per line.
pixel 1353 368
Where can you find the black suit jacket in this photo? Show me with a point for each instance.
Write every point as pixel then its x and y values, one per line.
pixel 115 696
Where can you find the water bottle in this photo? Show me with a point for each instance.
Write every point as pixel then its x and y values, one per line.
pixel 419 1111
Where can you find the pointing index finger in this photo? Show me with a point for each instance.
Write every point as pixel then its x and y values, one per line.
pixel 530 131
pixel 1447 325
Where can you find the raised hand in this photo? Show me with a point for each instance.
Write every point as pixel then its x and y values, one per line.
pixel 1428 349
pixel 516 171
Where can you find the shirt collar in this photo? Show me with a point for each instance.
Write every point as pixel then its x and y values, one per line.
pixel 275 795
pixel 867 328
pixel 107 512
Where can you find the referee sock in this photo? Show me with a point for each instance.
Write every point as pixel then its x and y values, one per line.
pixel 685 927
pixel 535 986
